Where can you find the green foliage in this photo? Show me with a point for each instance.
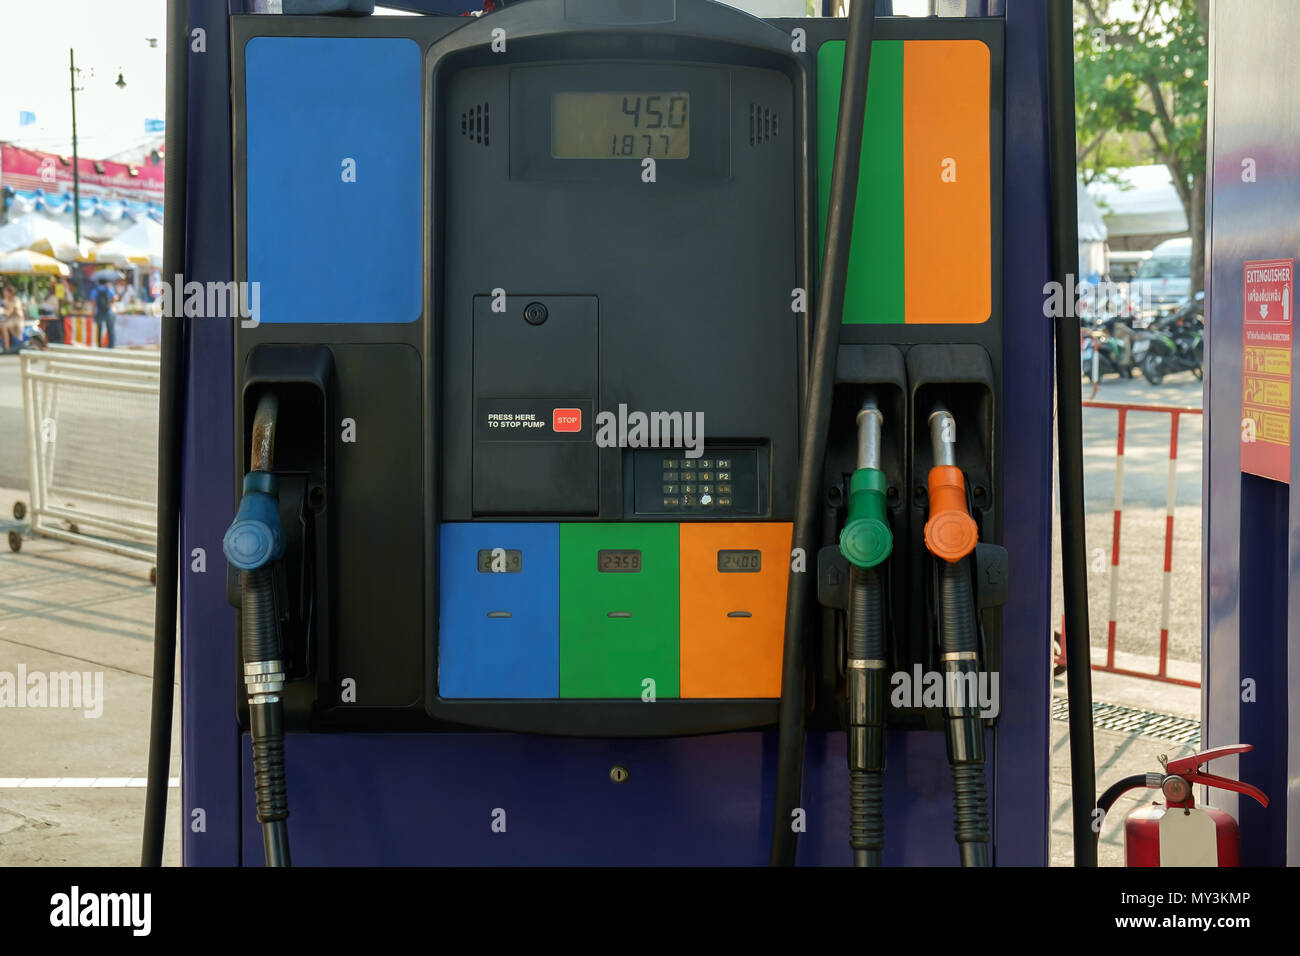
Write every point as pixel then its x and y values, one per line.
pixel 1140 85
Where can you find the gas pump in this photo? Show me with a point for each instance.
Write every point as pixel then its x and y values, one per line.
pixel 648 354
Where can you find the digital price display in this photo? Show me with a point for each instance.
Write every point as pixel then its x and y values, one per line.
pixel 500 560
pixel 618 561
pixel 620 125
pixel 740 561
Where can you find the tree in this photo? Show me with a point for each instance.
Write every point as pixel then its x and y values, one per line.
pixel 1141 81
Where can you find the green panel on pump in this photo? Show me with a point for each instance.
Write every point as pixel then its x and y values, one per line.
pixel 619 610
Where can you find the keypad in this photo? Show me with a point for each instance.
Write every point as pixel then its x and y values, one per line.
pixel 716 483
pixel 688 483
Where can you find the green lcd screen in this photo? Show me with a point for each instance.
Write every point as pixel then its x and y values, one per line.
pixel 618 561
pixel 621 125
pixel 742 561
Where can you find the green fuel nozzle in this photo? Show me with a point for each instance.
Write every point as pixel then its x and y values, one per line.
pixel 866 540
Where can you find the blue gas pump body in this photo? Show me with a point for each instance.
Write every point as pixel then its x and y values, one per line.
pixel 448 796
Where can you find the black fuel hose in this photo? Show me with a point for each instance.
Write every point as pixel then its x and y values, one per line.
pixel 792 711
pixel 866 717
pixel 1069 425
pixel 1117 790
pixel 171 425
pixel 253 544
pixel 959 659
pixel 261 643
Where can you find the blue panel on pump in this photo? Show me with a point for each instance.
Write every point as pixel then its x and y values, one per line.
pixel 333 174
pixel 499 610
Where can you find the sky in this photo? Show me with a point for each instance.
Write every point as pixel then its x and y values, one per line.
pixel 109 36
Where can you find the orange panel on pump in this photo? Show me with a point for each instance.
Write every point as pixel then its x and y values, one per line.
pixel 732 621
pixel 946 224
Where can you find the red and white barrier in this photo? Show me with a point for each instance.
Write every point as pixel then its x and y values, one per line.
pixel 1175 412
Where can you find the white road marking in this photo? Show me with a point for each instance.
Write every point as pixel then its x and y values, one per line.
pixel 78 783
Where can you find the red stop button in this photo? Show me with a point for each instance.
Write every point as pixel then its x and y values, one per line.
pixel 567 419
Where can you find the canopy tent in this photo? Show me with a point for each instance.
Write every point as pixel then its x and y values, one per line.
pixel 141 245
pixel 1141 201
pixel 115 252
pixel 1092 236
pixel 43 235
pixel 113 194
pixel 146 237
pixel 91 207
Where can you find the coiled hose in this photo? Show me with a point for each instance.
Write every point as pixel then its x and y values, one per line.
pixel 261 643
pixel 959 654
pixel 866 723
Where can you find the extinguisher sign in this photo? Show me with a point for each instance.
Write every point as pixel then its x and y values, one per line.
pixel 1268 290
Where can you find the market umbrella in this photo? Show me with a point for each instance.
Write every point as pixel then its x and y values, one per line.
pixel 107 275
pixel 27 263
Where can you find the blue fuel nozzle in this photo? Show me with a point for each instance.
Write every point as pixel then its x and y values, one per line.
pixel 255 538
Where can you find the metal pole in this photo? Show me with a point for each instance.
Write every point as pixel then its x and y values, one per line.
pixel 171 424
pixel 809 493
pixel 1069 424
pixel 76 172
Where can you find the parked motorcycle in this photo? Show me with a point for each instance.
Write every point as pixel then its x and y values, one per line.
pixel 1177 342
pixel 32 337
pixel 1111 346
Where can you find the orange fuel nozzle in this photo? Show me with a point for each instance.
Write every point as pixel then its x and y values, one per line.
pixel 950 532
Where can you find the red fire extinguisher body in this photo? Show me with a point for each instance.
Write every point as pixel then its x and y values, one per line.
pixel 1142 835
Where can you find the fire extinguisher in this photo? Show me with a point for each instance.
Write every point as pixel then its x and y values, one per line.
pixel 1177 832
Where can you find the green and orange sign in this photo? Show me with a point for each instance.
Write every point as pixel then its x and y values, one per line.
pixel 921 230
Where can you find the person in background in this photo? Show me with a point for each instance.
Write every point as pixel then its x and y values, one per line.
pixel 52 313
pixel 11 319
pixel 104 317
pixel 126 296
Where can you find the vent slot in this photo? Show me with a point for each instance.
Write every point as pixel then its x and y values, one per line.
pixel 474 124
pixel 762 125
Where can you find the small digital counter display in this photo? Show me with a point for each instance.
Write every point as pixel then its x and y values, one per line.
pixel 609 125
pixel 618 561
pixel 500 560
pixel 740 561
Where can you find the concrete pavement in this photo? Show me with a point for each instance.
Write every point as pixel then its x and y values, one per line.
pixel 69 610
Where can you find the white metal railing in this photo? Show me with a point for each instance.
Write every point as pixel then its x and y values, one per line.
pixel 92 430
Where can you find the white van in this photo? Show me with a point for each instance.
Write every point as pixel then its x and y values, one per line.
pixel 1165 279
pixel 1121 265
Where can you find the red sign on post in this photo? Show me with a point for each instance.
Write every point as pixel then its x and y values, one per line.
pixel 1268 290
